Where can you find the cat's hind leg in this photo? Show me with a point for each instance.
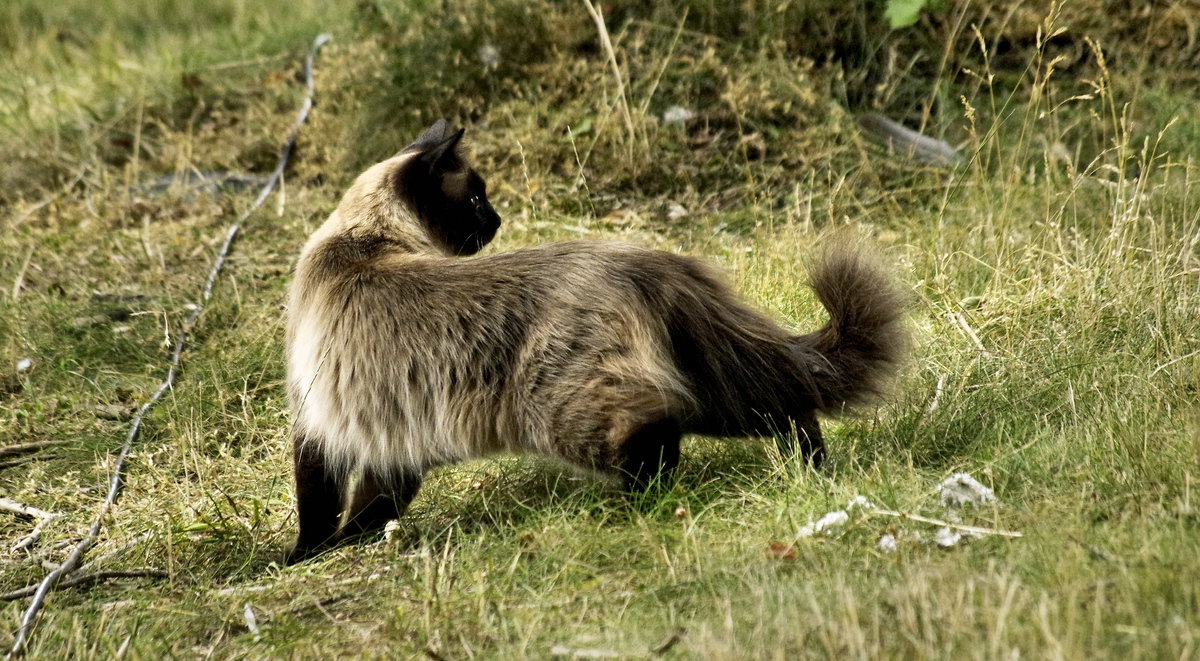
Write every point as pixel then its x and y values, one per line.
pixel 807 441
pixel 380 498
pixel 622 429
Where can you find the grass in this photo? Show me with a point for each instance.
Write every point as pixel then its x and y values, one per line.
pixel 1055 291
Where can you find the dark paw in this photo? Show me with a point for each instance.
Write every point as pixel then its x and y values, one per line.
pixel 299 552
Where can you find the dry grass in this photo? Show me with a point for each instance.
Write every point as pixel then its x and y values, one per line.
pixel 1055 276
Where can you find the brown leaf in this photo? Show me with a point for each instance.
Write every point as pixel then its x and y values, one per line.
pixel 782 551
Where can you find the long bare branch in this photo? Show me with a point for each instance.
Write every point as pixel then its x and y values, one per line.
pixel 87 579
pixel 946 524
pixel 13 506
pixel 56 577
pixel 19 449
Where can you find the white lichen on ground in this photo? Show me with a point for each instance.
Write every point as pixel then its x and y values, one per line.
pixel 945 537
pixel 860 501
pixel 677 115
pixel 961 489
pixel 887 543
pixel 824 524
pixel 957 491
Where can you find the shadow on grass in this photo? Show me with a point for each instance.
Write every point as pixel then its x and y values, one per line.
pixel 506 498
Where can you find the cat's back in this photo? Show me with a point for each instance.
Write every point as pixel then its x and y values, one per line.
pixel 473 348
pixel 592 271
pixel 374 298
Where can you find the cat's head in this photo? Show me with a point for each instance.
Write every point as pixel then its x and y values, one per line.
pixel 448 196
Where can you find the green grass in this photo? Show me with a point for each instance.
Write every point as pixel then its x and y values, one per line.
pixel 1054 278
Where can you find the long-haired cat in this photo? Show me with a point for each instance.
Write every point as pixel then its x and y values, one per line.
pixel 406 353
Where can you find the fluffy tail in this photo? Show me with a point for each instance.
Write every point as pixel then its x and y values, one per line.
pixel 751 377
pixel 853 354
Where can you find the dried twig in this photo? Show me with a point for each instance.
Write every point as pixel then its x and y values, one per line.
pixel 19 461
pixel 20 279
pixel 72 562
pixel 26 448
pixel 28 540
pixel 671 641
pixel 922 148
pixel 55 578
pixel 87 579
pixel 43 517
pixel 23 509
pixel 1096 552
pixel 962 323
pixel 955 526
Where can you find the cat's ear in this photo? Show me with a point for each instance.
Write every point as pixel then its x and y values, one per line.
pixel 431 163
pixel 432 137
pixel 446 147
pixel 442 157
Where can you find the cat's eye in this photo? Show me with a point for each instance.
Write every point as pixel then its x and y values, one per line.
pixel 475 201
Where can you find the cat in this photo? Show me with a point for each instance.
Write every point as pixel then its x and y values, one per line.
pixel 406 353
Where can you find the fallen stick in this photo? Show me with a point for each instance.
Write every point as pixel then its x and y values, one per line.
pixel 28 540
pixel 921 148
pixel 24 510
pixel 947 524
pixel 671 641
pixel 19 282
pixel 26 448
pixel 21 460
pixel 225 592
pixel 87 579
pixel 962 323
pixel 43 517
pixel 73 561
